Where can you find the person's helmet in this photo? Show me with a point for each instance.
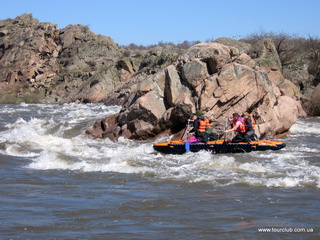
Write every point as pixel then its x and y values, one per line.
pixel 199 113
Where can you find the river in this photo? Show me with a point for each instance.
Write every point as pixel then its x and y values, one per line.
pixel 58 184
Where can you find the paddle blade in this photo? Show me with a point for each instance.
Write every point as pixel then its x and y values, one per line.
pixel 187 146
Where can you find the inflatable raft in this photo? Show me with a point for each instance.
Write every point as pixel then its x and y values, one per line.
pixel 219 146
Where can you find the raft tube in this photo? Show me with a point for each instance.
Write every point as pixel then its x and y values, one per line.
pixel 219 146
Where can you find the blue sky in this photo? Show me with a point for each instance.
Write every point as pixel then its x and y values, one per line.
pixel 148 22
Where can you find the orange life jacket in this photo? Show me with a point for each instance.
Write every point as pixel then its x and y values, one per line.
pixel 252 123
pixel 204 125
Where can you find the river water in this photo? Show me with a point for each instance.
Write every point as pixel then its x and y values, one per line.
pixel 58 184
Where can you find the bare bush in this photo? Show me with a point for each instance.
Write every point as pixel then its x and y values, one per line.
pixel 286 45
pixel 183 45
pixel 290 48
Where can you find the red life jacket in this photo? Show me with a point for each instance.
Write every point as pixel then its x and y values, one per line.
pixel 204 125
pixel 241 128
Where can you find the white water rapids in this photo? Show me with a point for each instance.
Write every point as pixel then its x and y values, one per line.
pixel 51 137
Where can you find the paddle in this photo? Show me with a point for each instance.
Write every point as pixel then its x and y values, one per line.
pixel 225 128
pixel 187 146
pixel 224 144
pixel 186 131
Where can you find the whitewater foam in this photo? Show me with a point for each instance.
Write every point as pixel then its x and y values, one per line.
pixel 40 136
pixel 305 127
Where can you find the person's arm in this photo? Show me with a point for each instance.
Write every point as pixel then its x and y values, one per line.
pixel 235 127
pixel 195 125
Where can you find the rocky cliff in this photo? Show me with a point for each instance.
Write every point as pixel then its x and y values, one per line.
pixel 158 88
pixel 216 78
pixel 40 63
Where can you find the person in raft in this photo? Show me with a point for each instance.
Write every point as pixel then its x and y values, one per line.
pixel 202 127
pixel 249 128
pixel 238 127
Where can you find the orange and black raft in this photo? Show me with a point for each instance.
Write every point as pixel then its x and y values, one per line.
pixel 219 146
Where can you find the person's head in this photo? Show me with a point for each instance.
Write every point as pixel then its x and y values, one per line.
pixel 246 115
pixel 199 113
pixel 235 116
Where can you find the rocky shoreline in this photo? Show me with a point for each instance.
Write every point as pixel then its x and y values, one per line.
pixel 158 88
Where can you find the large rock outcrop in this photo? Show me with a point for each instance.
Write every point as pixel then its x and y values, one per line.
pixel 28 58
pixel 40 63
pixel 315 99
pixel 216 78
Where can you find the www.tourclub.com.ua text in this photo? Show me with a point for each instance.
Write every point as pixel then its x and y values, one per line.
pixel 285 230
